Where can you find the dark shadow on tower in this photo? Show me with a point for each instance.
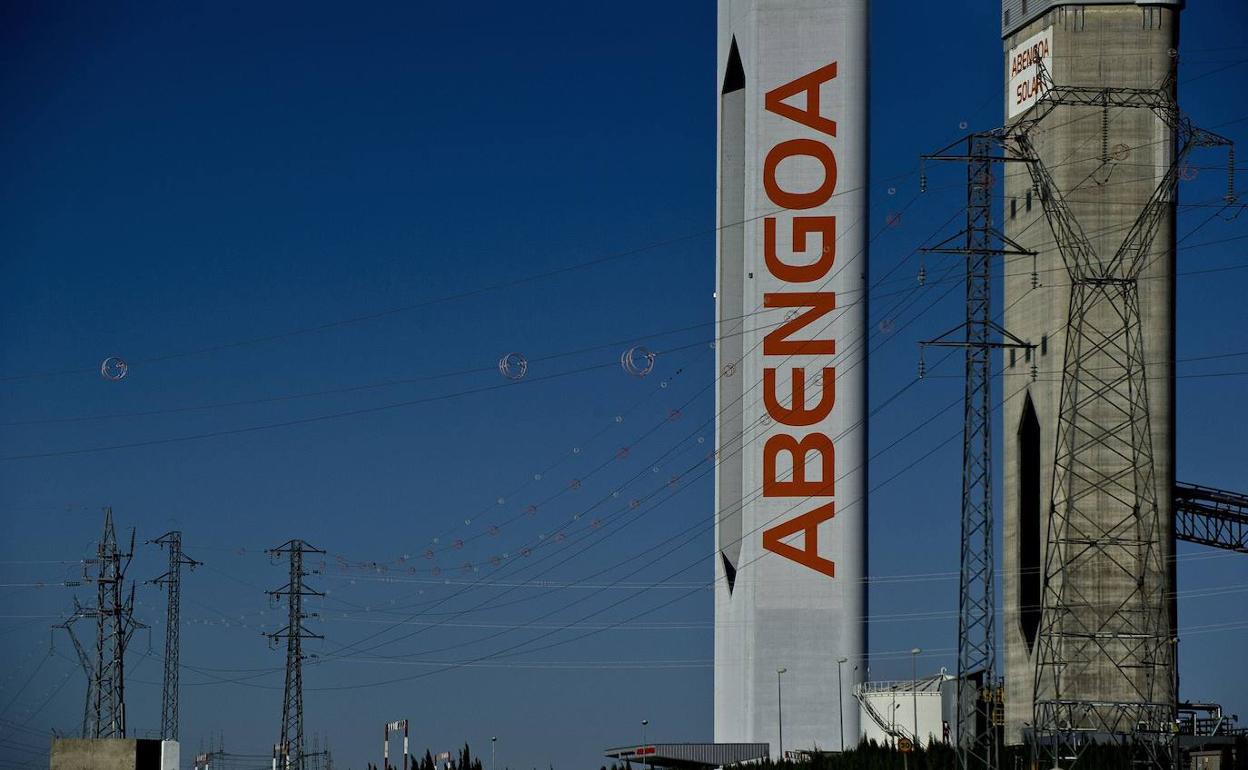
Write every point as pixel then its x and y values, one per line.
pixel 1029 523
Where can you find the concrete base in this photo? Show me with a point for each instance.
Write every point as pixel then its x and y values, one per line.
pixel 110 754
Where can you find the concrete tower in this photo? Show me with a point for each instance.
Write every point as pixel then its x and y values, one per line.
pixel 1106 163
pixel 790 557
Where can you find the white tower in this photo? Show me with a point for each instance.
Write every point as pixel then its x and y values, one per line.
pixel 791 512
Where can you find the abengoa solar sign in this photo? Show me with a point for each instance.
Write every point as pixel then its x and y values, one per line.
pixel 1025 87
pixel 791 358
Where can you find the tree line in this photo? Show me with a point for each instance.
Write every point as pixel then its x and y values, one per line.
pixel 870 755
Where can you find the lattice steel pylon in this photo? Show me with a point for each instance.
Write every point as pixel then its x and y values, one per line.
pixel 289 748
pixel 980 243
pixel 88 666
pixel 1105 669
pixel 172 581
pixel 104 715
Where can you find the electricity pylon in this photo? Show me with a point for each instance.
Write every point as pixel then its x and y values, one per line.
pixel 289 748
pixel 980 243
pixel 172 581
pixel 104 715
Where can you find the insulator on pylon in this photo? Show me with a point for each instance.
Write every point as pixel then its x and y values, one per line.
pixel 922 178
pixel 1035 274
pixel 1230 174
pixel 1105 134
pixel 922 275
pixel 922 365
pixel 1035 372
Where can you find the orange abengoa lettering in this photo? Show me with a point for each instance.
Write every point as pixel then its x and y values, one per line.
pixel 808 555
pixel 799 486
pixel 811 164
pixel 798 414
pixel 810 85
pixel 777 342
pixel 802 227
pixel 799 200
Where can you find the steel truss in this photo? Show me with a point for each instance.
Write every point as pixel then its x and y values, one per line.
pixel 289 750
pixel 980 242
pixel 1105 669
pixel 104 715
pixel 1212 517
pixel 172 581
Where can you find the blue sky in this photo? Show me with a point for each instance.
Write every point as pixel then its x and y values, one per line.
pixel 427 188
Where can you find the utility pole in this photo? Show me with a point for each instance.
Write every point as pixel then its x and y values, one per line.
pixel 394 727
pixel 840 699
pixel 914 692
pixel 289 748
pixel 780 711
pixel 980 243
pixel 172 581
pixel 644 747
pixel 105 713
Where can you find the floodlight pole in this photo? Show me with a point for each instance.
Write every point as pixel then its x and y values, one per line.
pixel 780 710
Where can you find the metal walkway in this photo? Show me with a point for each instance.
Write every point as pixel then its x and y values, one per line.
pixel 1212 517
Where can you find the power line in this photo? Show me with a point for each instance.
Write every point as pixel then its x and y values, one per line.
pixel 373 635
pixel 265 426
pixel 653 557
pixel 369 386
pixel 693 235
pixel 418 305
pixel 393 640
pixel 511 649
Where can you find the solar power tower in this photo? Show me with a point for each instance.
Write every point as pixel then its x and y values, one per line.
pixel 1089 444
pixel 791 513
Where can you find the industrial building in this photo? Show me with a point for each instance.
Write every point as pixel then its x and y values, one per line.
pixel 923 710
pixel 790 558
pixel 114 754
pixel 1106 164
pixel 689 756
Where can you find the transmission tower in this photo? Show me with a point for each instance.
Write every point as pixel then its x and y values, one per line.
pixel 88 666
pixel 104 715
pixel 172 581
pixel 289 748
pixel 1105 645
pixel 980 243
